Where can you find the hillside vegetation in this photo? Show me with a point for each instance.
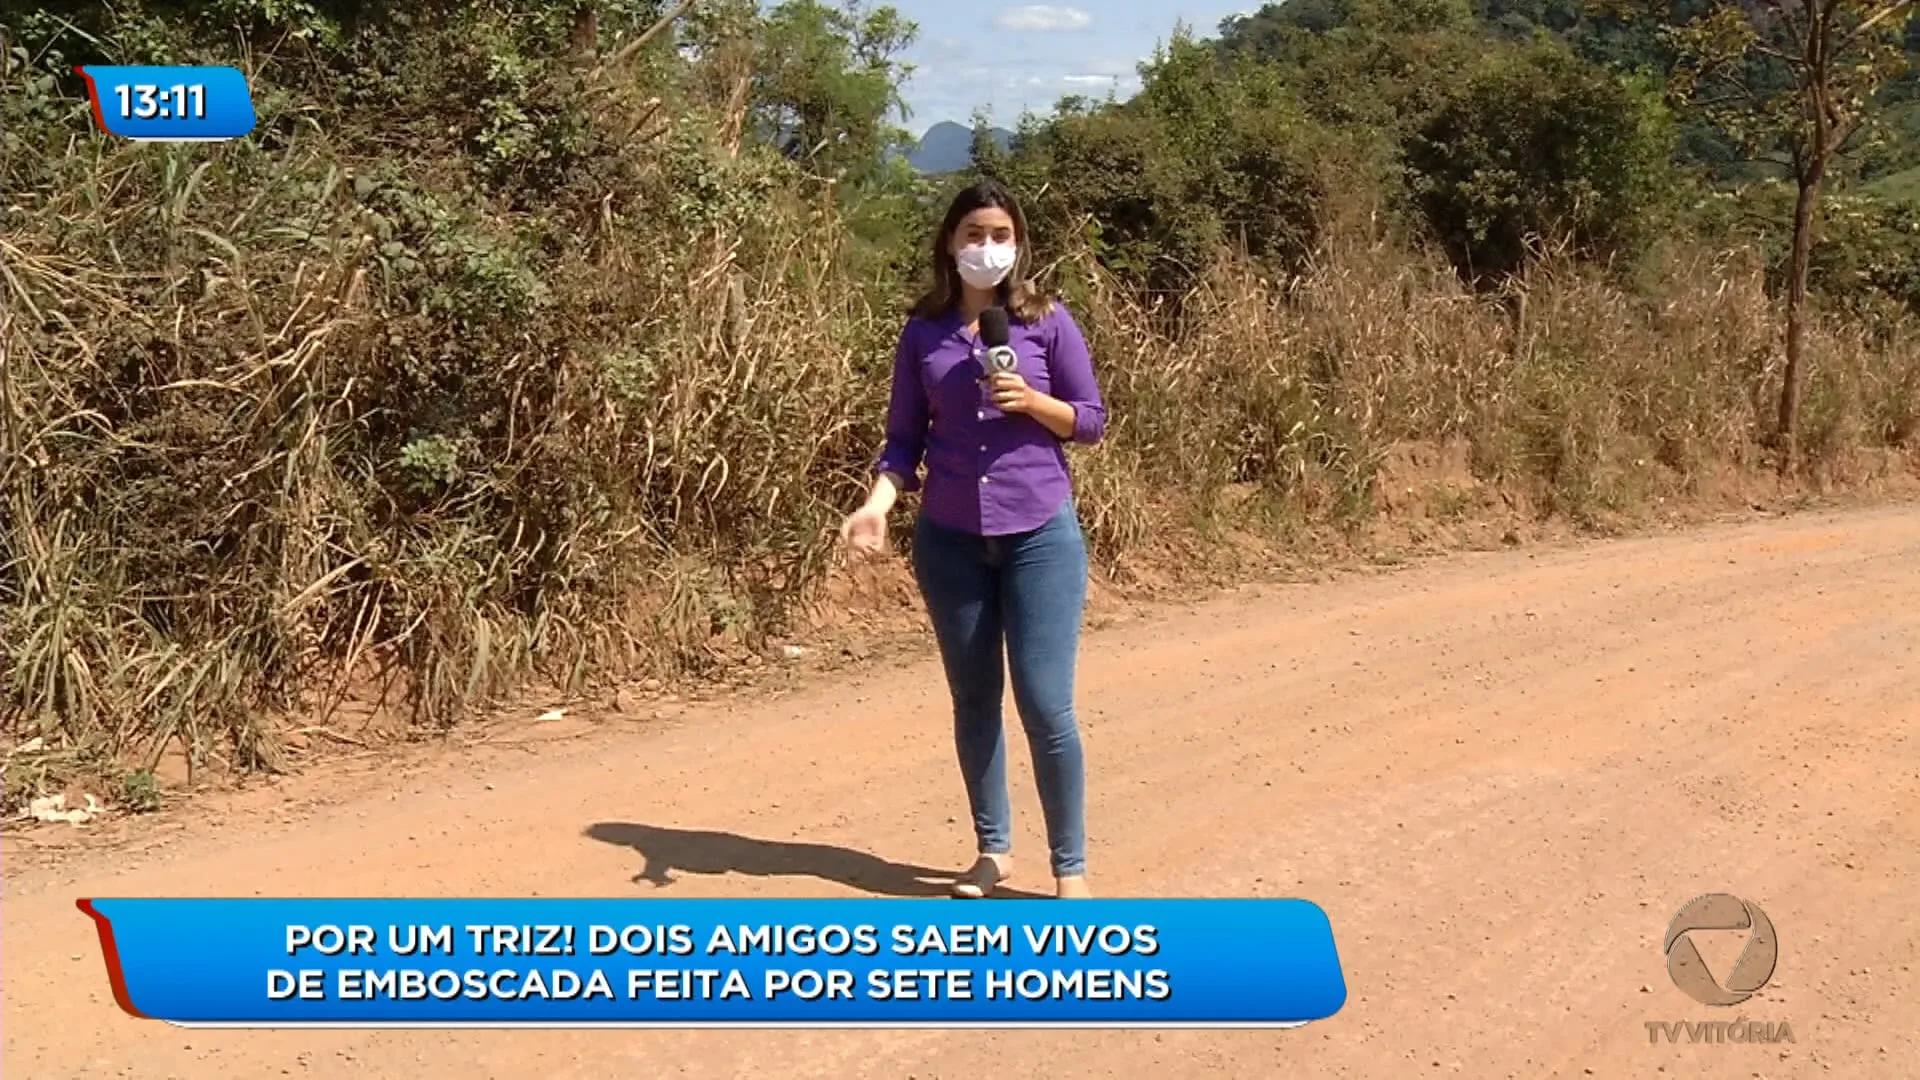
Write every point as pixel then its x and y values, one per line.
pixel 529 340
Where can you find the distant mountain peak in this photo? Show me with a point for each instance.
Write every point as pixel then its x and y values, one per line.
pixel 948 147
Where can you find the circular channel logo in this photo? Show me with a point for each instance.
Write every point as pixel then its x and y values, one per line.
pixel 1720 911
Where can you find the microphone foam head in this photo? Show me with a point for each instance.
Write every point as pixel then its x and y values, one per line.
pixel 993 327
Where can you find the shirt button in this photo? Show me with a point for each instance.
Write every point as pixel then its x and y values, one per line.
pixel 986 479
pixel 981 415
pixel 983 448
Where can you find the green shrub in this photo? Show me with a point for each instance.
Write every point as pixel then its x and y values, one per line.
pixel 1214 154
pixel 1537 149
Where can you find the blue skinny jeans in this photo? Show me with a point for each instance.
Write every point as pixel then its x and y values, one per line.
pixel 1024 594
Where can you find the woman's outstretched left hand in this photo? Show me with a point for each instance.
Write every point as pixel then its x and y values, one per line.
pixel 864 532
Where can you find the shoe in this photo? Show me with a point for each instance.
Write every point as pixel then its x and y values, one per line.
pixel 980 880
pixel 1071 888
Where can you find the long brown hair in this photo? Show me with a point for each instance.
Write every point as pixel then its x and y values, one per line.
pixel 1018 293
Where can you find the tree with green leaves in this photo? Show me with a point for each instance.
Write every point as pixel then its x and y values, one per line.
pixel 1213 153
pixel 827 84
pixel 1796 82
pixel 1535 147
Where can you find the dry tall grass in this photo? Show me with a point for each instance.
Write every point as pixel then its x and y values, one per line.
pixel 244 468
pixel 274 428
pixel 1585 395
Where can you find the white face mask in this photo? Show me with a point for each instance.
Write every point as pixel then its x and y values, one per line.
pixel 985 266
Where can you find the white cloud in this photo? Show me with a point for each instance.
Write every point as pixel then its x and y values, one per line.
pixel 1043 18
pixel 1090 80
pixel 945 75
pixel 1108 68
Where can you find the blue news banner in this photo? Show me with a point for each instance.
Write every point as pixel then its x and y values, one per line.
pixel 720 963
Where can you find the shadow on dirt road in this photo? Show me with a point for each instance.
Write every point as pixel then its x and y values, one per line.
pixel 712 852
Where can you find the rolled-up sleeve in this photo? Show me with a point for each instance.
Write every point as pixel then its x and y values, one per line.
pixel 1070 369
pixel 907 415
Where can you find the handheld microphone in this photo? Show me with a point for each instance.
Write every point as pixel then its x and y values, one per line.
pixel 1000 356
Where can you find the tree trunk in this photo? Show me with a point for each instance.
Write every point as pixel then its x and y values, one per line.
pixel 585 37
pixel 1798 264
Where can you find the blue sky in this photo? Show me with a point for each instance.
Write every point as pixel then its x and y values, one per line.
pixel 1008 57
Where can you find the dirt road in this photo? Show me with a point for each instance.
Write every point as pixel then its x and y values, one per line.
pixel 1501 774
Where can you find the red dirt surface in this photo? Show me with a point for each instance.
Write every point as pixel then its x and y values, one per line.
pixel 1500 773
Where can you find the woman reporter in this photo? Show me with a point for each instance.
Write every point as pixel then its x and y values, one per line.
pixel 998 551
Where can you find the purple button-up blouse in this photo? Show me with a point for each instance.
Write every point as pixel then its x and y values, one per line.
pixel 988 473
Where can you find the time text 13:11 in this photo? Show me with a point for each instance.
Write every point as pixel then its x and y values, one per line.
pixel 187 101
